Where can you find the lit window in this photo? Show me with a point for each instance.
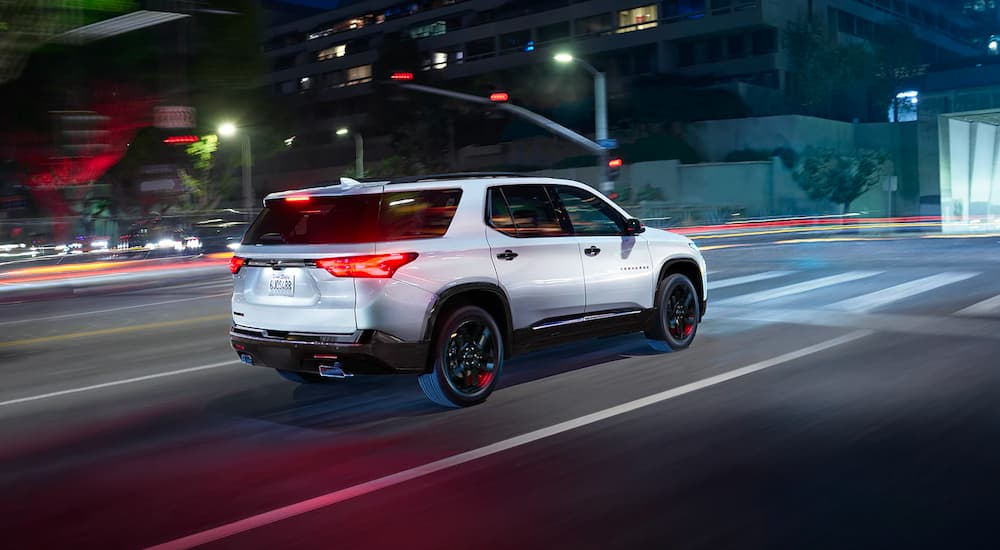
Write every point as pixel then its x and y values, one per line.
pixel 637 19
pixel 440 60
pixel 340 50
pixel 358 75
pixel 436 28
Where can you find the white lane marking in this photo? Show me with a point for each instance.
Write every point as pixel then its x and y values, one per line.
pixel 797 288
pixel 723 283
pixel 879 298
pixel 988 306
pixel 116 383
pixel 322 501
pixel 110 310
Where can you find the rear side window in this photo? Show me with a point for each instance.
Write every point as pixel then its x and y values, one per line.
pixel 356 218
pixel 318 220
pixel 529 208
pixel 417 214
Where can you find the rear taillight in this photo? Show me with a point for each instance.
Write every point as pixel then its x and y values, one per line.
pixel 375 266
pixel 235 263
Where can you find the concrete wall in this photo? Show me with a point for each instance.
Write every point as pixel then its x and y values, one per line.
pixel 761 188
pixel 714 139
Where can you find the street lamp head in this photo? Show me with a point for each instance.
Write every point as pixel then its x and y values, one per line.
pixel 342 131
pixel 563 57
pixel 227 129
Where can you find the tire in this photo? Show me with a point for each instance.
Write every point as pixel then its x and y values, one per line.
pixel 676 315
pixel 468 357
pixel 301 377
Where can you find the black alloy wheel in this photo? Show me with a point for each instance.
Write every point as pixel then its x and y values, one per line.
pixel 468 358
pixel 678 312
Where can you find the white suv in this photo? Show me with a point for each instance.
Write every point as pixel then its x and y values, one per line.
pixel 446 276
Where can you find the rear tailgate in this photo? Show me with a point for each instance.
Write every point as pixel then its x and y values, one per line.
pixel 280 286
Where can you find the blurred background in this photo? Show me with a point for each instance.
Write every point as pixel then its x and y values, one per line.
pixel 156 124
pixel 836 161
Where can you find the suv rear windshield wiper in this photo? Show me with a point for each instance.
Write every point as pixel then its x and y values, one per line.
pixel 272 238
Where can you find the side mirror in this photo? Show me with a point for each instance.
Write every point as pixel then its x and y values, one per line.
pixel 633 227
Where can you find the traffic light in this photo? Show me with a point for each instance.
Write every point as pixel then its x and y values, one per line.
pixel 614 167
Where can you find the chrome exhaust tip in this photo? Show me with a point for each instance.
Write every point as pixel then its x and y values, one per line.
pixel 333 371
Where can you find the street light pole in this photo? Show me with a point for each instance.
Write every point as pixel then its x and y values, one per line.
pixel 247 177
pixel 600 115
pixel 359 155
pixel 359 151
pixel 226 130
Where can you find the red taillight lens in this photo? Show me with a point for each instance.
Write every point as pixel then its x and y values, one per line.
pixel 375 266
pixel 235 263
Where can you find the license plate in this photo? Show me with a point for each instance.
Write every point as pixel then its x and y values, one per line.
pixel 281 284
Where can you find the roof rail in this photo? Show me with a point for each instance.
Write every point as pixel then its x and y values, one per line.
pixel 457 176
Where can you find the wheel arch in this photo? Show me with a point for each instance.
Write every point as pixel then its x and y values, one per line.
pixel 689 268
pixel 488 296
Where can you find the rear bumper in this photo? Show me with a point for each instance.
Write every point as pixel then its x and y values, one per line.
pixel 363 352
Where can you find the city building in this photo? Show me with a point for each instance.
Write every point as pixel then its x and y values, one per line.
pixel 324 63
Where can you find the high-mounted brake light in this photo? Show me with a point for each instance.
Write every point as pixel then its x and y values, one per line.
pixel 615 163
pixel 374 266
pixel 401 76
pixel 499 97
pixel 297 198
pixel 235 263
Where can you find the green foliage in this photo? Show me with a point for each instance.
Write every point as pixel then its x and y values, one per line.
pixel 819 66
pixel 207 186
pixel 896 57
pixel 840 178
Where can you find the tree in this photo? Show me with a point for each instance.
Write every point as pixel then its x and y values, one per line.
pixel 895 59
pixel 207 186
pixel 825 174
pixel 819 66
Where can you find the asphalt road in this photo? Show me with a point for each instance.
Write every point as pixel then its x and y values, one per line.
pixel 839 395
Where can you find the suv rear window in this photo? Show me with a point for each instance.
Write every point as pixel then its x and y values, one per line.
pixel 356 218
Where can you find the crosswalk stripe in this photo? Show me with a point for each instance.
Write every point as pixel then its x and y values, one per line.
pixel 986 307
pixel 879 298
pixel 797 288
pixel 723 283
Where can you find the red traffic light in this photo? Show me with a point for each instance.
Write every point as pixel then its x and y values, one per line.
pixel 401 76
pixel 180 140
pixel 615 163
pixel 499 97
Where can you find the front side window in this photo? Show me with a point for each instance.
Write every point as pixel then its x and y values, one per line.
pixel 499 214
pixel 527 212
pixel 588 213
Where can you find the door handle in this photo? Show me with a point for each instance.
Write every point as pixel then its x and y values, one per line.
pixel 507 255
pixel 592 251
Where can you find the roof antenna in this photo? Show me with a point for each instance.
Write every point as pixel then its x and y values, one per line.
pixel 349 181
